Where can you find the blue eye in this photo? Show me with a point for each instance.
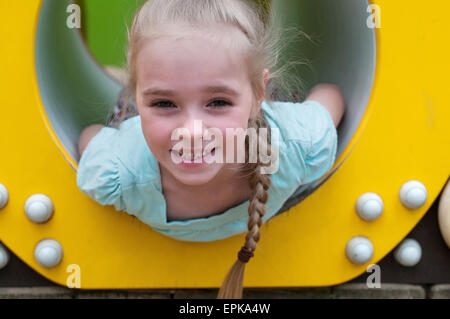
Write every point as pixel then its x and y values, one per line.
pixel 163 104
pixel 168 104
pixel 221 102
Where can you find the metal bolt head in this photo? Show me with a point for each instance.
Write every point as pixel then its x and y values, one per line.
pixel 39 208
pixel 4 196
pixel 413 194
pixel 408 253
pixel 369 206
pixel 4 256
pixel 359 250
pixel 48 253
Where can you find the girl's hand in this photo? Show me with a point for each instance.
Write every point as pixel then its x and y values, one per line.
pixel 330 96
pixel 86 136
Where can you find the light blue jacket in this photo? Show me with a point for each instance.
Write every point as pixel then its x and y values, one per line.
pixel 117 168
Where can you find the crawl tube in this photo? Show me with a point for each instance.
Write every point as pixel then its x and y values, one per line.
pixel 395 130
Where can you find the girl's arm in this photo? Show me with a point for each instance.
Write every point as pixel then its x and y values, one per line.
pixel 330 96
pixel 86 136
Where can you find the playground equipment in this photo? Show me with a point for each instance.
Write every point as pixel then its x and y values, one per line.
pixel 394 142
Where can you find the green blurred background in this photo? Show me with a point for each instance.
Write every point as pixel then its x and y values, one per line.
pixel 104 28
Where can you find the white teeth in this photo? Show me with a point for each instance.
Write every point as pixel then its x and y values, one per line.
pixel 188 156
pixel 206 153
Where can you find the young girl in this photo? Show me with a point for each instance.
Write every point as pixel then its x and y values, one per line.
pixel 208 61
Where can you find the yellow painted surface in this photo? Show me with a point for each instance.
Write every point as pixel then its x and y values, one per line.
pixel 404 135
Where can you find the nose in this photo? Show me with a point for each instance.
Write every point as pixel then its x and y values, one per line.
pixel 194 126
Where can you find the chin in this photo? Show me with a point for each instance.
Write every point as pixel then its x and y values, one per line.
pixel 195 181
pixel 193 177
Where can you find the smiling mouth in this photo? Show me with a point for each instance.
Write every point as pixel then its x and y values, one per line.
pixel 191 156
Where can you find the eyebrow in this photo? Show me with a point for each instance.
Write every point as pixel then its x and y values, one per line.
pixel 207 89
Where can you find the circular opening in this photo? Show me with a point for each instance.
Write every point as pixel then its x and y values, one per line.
pixel 76 91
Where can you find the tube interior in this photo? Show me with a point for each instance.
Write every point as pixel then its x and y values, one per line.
pixel 76 92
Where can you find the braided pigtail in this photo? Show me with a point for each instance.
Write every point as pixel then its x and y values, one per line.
pixel 232 285
pixel 261 47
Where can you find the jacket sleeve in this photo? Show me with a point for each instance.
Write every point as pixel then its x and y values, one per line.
pixel 99 171
pixel 321 154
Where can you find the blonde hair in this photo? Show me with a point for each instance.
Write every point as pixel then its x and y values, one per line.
pixel 262 51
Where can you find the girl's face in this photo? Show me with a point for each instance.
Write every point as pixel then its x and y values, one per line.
pixel 183 80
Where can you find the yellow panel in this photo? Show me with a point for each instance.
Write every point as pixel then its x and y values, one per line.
pixel 404 135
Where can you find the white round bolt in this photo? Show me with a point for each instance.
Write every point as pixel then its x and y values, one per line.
pixel 4 196
pixel 359 250
pixel 413 194
pixel 48 253
pixel 369 206
pixel 408 253
pixel 39 208
pixel 4 256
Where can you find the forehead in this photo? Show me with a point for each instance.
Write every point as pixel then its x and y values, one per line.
pixel 190 56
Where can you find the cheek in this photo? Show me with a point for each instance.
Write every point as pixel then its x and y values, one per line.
pixel 157 134
pixel 238 122
pixel 233 122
